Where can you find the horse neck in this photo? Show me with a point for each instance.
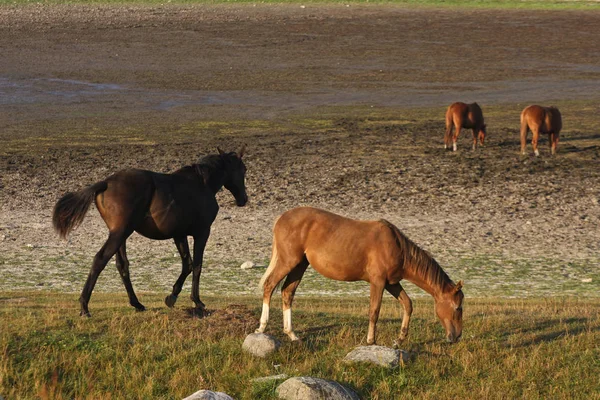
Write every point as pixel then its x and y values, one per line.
pixel 214 168
pixel 434 287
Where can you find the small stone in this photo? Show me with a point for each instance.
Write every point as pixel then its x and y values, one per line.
pixel 586 280
pixel 270 378
pixel 209 395
pixel 260 344
pixel 379 355
pixel 247 265
pixel 309 388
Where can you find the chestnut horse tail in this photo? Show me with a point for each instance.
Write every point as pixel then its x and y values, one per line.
pixel 70 210
pixel 524 125
pixel 271 267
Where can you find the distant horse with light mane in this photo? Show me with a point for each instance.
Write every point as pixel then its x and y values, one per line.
pixel 469 116
pixel 350 250
pixel 540 119
pixel 157 206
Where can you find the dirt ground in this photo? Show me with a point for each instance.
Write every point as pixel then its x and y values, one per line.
pixel 341 107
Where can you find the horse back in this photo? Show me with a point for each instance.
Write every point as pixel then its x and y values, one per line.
pixel 465 115
pixel 337 247
pixel 548 119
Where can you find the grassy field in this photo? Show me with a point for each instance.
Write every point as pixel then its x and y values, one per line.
pixel 510 349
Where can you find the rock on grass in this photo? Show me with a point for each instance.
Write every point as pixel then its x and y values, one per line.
pixel 260 344
pixel 308 388
pixel 379 355
pixel 209 395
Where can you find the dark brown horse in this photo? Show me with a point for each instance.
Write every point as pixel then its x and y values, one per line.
pixel 349 250
pixel 468 116
pixel 158 206
pixel 540 120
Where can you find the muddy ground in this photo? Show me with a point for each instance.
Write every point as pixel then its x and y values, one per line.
pixel 341 108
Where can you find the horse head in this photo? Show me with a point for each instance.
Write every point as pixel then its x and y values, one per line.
pixel 482 133
pixel 235 175
pixel 448 307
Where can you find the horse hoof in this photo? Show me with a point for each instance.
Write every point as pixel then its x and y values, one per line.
pixel 85 314
pixel 139 307
pixel 170 300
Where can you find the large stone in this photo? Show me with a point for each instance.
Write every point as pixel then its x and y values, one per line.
pixel 308 388
pixel 379 355
pixel 260 344
pixel 209 395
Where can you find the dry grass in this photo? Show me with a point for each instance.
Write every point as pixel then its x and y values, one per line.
pixel 545 348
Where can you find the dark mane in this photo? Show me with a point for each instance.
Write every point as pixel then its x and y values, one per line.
pixel 419 261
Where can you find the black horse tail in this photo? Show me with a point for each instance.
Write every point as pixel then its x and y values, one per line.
pixel 70 210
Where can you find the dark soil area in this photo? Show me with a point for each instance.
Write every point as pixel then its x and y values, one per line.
pixel 324 98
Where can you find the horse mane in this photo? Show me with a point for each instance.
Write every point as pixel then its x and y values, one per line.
pixel 419 261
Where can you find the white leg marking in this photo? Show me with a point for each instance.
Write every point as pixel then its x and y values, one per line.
pixel 287 324
pixel 264 318
pixel 454 146
pixel 537 153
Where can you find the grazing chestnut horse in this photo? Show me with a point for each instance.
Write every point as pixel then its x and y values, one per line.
pixel 540 120
pixel 349 250
pixel 468 116
pixel 158 206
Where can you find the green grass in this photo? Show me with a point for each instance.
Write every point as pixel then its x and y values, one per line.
pixel 490 4
pixel 539 348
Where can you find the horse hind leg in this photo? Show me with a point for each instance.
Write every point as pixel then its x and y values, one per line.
pixel 534 141
pixel 376 294
pixel 287 295
pixel 123 268
pixel 455 137
pixel 400 294
pixel 279 268
pixel 111 246
pixel 448 134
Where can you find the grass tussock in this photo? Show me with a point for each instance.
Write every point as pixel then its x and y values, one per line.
pixel 510 349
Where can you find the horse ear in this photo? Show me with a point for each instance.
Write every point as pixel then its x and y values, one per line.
pixel 221 152
pixel 241 152
pixel 458 286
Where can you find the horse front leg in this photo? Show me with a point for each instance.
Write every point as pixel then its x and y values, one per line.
pixel 199 245
pixel 400 294
pixel 186 269
pixel 375 298
pixel 475 139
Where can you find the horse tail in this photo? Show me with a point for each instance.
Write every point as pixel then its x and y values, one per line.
pixel 272 263
pixel 70 210
pixel 270 268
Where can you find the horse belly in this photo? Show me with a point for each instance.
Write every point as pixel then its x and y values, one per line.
pixel 337 268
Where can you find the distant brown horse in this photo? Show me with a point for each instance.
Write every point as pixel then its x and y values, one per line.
pixel 158 206
pixel 540 120
pixel 349 250
pixel 468 116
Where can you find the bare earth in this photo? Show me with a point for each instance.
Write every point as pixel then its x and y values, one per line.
pixel 341 107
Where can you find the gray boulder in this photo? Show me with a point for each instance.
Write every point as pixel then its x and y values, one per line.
pixel 379 355
pixel 308 388
pixel 260 344
pixel 209 395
